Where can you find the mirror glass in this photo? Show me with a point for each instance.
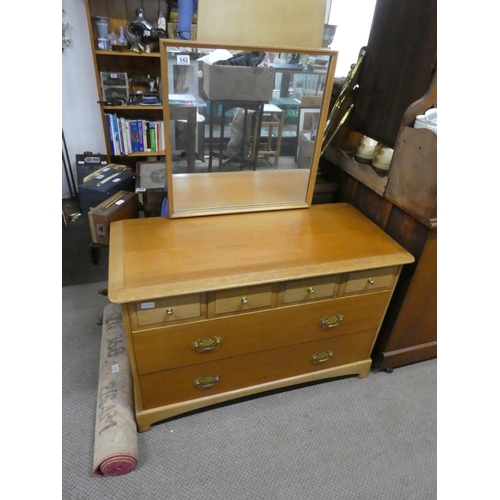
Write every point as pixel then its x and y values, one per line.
pixel 245 125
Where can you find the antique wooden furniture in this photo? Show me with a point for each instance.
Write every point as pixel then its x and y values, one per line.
pixel 397 82
pixel 224 306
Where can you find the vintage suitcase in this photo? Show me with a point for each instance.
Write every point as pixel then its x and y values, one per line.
pixel 150 186
pixel 120 206
pixel 101 184
pixel 88 163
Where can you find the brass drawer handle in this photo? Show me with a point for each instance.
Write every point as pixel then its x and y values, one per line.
pixel 331 321
pixel 207 381
pixel 371 281
pixel 206 344
pixel 321 357
pixel 310 290
pixel 244 300
pixel 170 311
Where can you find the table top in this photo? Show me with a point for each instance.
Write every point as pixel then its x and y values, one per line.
pixel 160 257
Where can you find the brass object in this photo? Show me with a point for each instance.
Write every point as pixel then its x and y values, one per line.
pixel 170 311
pixel 244 300
pixel 371 281
pixel 206 344
pixel 310 290
pixel 207 381
pixel 331 321
pixel 321 357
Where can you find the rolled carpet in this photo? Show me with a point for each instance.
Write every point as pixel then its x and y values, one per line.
pixel 115 440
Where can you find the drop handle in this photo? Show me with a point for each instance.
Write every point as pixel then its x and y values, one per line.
pixel 207 381
pixel 321 357
pixel 331 321
pixel 206 344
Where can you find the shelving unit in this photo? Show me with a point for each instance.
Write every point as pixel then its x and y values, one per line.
pixel 134 64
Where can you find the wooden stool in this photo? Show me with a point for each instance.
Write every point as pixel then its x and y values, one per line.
pixel 272 117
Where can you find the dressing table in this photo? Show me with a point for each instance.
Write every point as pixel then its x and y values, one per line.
pixel 247 287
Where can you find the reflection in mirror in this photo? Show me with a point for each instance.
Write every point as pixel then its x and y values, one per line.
pixel 244 125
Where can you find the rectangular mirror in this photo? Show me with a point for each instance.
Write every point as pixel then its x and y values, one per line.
pixel 243 125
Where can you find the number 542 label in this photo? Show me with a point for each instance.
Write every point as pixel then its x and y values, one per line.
pixel 183 59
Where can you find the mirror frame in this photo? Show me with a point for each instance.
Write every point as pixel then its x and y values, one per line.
pixel 248 206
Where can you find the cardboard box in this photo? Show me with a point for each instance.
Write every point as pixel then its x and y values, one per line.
pixel 120 206
pixel 238 83
pixel 306 150
pixel 101 184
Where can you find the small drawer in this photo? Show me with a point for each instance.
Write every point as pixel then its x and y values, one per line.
pixel 371 280
pixel 243 299
pixel 310 289
pixel 167 310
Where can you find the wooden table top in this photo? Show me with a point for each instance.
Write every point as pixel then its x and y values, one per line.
pixel 159 257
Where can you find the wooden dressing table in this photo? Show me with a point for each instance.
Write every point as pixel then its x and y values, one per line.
pixel 224 306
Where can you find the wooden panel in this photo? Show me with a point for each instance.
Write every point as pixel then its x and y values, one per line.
pixel 166 310
pixel 413 174
pixel 169 347
pixel 277 22
pixel 264 247
pixel 172 386
pixel 401 53
pixel 243 299
pixel 417 320
pixel 310 289
pixel 368 281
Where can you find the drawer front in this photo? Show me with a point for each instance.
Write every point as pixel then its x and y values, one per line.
pixel 171 347
pixel 371 280
pixel 166 310
pixel 198 381
pixel 310 289
pixel 243 299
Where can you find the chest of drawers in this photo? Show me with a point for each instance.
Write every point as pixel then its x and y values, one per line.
pixel 220 307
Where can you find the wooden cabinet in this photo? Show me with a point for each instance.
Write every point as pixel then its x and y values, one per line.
pixel 397 82
pixel 136 65
pixel 225 306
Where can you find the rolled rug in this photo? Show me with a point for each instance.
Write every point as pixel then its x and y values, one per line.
pixel 115 439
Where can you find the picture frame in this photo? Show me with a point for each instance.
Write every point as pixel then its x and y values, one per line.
pixel 308 119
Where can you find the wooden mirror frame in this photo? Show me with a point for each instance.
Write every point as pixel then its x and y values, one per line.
pixel 211 193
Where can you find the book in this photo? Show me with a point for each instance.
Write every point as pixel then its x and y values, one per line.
pixel 140 134
pixel 116 135
pixel 152 135
pixel 127 136
pixel 134 136
pixel 110 132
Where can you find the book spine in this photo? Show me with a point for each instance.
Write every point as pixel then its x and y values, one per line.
pixel 110 133
pixel 120 133
pixel 116 134
pixel 162 135
pixel 140 134
pixel 127 136
pixel 145 134
pixel 158 136
pixel 134 136
pixel 152 136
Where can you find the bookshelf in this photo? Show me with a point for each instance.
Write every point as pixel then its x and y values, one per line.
pixel 136 66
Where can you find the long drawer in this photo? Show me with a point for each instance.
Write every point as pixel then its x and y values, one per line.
pixel 201 342
pixel 198 381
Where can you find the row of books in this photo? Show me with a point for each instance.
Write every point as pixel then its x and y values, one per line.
pixel 134 136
